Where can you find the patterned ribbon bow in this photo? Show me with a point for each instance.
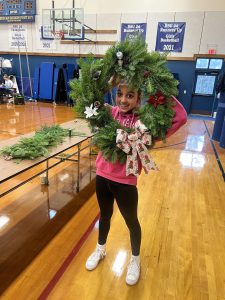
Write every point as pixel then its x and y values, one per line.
pixel 134 145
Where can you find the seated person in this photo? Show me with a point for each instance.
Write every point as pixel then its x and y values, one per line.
pixel 8 85
pixel 1 88
pixel 15 86
pixel 3 91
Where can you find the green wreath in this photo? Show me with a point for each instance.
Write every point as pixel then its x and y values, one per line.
pixel 141 70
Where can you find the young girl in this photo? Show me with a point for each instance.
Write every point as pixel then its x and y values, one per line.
pixel 112 183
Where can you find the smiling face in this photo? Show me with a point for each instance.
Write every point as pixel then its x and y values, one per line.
pixel 127 99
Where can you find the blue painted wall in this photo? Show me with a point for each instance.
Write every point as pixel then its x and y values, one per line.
pixel 186 72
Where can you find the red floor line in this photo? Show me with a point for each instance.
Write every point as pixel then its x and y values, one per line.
pixel 52 283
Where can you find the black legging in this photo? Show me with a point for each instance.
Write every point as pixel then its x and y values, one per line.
pixel 127 200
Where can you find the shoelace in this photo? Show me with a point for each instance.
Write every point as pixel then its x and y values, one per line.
pixel 97 254
pixel 133 267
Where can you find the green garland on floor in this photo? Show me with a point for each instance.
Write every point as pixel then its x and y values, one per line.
pixel 141 70
pixel 36 146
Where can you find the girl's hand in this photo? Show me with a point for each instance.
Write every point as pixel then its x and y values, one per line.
pixel 108 106
pixel 114 81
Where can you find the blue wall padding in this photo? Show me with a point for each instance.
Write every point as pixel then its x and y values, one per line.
pixel 222 136
pixel 46 80
pixel 56 75
pixel 219 118
pixel 70 71
pixel 36 83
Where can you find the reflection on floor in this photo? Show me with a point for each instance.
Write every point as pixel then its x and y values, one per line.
pixel 31 221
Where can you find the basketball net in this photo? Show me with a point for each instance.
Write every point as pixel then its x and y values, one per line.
pixel 58 35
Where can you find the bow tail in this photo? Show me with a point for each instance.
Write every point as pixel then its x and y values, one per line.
pixel 146 159
pixel 132 163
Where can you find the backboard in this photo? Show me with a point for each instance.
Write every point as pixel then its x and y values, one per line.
pixel 68 21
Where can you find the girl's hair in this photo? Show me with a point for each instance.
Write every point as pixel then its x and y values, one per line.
pixel 123 82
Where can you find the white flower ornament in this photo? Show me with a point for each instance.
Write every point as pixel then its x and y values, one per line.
pixel 90 111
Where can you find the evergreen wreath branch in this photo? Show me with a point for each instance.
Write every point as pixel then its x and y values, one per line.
pixel 38 145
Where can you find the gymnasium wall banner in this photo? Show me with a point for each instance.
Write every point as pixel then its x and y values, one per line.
pixel 44 44
pixel 18 36
pixel 170 36
pixel 131 30
pixel 17 11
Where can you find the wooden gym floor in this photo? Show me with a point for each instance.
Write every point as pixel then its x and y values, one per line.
pixel 51 230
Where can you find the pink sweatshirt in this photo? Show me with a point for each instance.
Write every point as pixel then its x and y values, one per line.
pixel 116 171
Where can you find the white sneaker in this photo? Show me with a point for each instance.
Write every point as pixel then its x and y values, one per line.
pixel 133 271
pixel 94 259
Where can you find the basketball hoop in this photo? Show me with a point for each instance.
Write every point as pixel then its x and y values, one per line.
pixel 58 35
